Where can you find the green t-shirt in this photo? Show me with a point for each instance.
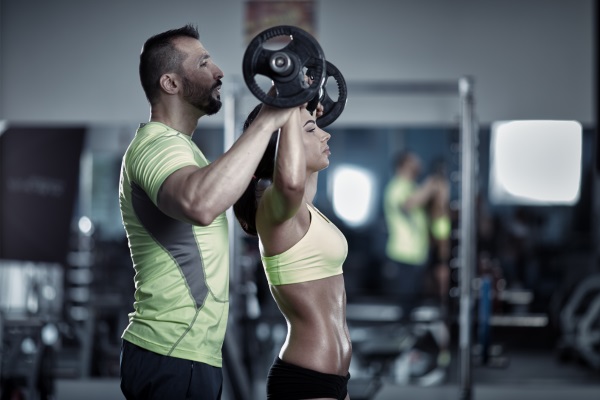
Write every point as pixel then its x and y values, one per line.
pixel 408 235
pixel 181 270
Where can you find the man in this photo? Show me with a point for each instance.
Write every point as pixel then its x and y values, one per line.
pixel 418 225
pixel 173 203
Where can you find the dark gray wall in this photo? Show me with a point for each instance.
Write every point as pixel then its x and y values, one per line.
pixel 69 60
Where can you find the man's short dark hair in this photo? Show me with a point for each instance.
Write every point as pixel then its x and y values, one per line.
pixel 159 56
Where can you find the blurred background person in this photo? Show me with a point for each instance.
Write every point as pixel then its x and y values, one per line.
pixel 418 227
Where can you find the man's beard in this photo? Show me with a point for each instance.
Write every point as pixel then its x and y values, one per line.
pixel 200 97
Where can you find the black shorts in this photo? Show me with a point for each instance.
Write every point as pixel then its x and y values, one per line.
pixel 290 382
pixel 150 376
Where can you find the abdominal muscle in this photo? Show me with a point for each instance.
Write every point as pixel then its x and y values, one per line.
pixel 317 337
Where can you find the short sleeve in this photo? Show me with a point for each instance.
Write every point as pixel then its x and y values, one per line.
pixel 159 158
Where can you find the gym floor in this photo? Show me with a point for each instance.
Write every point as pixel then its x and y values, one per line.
pixel 530 375
pixel 525 365
pixel 530 370
pixel 533 374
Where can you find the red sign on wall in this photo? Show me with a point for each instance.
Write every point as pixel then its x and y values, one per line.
pixel 264 14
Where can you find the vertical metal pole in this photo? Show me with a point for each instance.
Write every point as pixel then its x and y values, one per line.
pixel 467 243
pixel 596 136
pixel 236 383
pixel 229 136
pixel 84 249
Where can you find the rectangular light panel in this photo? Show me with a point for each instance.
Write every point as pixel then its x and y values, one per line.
pixel 535 162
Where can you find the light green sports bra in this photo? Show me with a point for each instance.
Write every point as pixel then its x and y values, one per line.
pixel 319 254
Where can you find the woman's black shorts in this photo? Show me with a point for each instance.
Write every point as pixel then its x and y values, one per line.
pixel 290 382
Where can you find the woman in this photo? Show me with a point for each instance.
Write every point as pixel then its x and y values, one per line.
pixel 302 253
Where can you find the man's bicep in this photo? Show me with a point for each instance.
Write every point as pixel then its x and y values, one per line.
pixel 173 196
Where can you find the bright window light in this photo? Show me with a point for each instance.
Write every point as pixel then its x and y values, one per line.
pixel 535 162
pixel 353 190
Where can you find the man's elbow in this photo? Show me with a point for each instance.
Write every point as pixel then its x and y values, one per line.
pixel 201 214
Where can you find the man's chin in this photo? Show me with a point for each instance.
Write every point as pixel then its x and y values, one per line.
pixel 213 108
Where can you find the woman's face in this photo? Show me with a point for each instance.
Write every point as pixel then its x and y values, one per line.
pixel 315 140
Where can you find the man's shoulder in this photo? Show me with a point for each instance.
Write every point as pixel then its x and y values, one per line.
pixel 157 129
pixel 156 135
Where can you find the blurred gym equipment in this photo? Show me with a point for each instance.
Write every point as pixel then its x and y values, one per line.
pixel 38 198
pixel 388 346
pixel 579 322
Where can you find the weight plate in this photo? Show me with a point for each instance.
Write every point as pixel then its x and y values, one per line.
pixel 286 67
pixel 332 109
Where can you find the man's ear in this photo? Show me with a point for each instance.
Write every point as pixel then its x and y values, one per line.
pixel 169 83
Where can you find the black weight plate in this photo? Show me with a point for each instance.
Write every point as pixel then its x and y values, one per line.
pixel 303 51
pixel 332 109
